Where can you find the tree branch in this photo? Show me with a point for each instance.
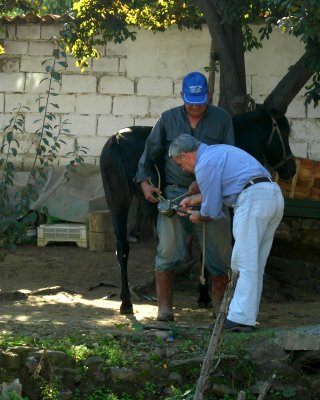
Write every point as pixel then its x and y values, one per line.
pixel 290 85
pixel 215 337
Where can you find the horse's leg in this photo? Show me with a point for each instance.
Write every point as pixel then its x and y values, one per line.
pixel 120 219
pixel 204 300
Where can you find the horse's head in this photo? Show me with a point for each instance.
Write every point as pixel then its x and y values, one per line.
pixel 278 153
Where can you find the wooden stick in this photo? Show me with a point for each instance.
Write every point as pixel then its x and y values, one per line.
pixel 215 337
pixel 241 395
pixel 266 387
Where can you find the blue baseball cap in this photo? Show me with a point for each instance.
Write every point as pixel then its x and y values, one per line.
pixel 195 88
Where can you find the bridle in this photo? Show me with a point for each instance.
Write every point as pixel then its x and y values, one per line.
pixel 276 130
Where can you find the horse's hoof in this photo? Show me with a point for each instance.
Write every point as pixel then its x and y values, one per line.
pixel 126 309
pixel 165 317
pixel 204 304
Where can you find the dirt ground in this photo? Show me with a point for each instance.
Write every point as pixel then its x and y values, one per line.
pixel 61 288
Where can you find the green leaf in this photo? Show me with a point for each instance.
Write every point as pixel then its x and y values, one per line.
pixel 9 137
pixel 63 64
pixel 56 75
pixel 137 327
pixel 45 61
pixel 289 392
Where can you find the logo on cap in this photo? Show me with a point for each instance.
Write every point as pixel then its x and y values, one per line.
pixel 195 89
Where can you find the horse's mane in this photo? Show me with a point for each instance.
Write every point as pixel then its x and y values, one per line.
pixel 248 118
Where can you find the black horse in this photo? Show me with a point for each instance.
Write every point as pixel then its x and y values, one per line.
pixel 260 133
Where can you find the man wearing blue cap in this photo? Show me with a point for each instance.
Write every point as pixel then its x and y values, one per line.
pixel 210 125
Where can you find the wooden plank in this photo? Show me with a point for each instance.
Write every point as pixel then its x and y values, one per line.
pixel 302 208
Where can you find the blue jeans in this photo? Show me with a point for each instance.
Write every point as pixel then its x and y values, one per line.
pixel 257 214
pixel 172 232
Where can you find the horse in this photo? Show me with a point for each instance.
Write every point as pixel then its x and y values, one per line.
pixel 263 134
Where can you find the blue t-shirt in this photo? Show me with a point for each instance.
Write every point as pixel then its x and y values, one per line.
pixel 221 172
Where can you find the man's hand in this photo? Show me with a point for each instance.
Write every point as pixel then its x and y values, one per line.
pixel 197 218
pixel 191 200
pixel 194 188
pixel 149 192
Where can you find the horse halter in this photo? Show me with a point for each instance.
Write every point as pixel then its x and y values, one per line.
pixel 285 157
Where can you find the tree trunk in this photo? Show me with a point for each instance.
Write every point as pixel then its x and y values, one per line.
pixel 234 39
pixel 228 42
pixel 289 86
pixel 231 84
pixel 212 71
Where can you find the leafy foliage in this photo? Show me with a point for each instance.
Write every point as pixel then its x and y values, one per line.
pixel 301 19
pixel 48 139
pixel 97 21
pixel 39 7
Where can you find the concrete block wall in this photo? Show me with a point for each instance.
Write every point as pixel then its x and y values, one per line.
pixel 131 84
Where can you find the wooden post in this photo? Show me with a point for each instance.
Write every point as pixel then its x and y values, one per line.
pixel 215 337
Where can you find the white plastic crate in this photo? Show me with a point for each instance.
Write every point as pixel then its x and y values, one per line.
pixel 62 233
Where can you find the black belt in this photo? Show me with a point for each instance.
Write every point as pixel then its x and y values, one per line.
pixel 259 179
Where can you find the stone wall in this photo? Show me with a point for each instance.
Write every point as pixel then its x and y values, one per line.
pixel 132 83
pixel 305 231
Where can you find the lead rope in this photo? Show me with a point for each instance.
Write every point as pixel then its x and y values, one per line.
pixel 159 183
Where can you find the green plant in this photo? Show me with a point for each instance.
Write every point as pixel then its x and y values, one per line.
pixel 149 389
pixel 79 352
pixel 238 344
pixel 12 396
pixel 112 354
pixel 11 228
pixel 48 138
pixel 7 341
pixel 175 330
pixel 187 346
pixel 179 394
pixel 156 360
pixel 107 394
pixel 49 390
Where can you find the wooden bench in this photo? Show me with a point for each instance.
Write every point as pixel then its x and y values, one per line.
pixel 302 192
